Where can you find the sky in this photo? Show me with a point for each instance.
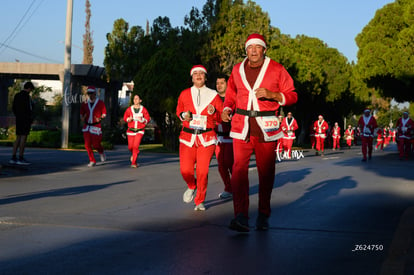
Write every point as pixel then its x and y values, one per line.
pixel 34 30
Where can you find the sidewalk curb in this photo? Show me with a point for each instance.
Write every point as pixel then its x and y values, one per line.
pixel 398 254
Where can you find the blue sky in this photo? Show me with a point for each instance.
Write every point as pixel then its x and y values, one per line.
pixel 34 30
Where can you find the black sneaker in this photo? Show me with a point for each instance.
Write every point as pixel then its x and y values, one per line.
pixel 262 222
pixel 22 161
pixel 13 160
pixel 239 223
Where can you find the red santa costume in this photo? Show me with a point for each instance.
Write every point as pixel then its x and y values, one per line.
pixel 137 118
pixel 289 126
pixel 92 112
pixel 349 136
pixel 255 126
pixel 336 136
pixel 367 123
pixel 320 127
pixel 198 108
pixel 405 128
pixel 380 139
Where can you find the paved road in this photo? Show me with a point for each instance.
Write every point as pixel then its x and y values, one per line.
pixel 60 217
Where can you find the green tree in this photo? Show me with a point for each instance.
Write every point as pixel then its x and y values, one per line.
pixel 386 49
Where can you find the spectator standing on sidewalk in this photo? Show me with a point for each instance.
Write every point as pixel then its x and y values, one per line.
pixel 23 110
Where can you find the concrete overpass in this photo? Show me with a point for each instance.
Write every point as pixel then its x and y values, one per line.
pixel 81 75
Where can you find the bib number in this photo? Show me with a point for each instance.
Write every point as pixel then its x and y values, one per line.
pixel 137 117
pixel 95 130
pixel 270 123
pixel 199 122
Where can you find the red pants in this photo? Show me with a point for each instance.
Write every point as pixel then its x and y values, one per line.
pixel 404 147
pixel 189 156
pixel 92 141
pixel 265 162
pixel 336 142
pixel 320 143
pixel 287 146
pixel 133 146
pixel 380 143
pixel 313 141
pixel 367 146
pixel 349 142
pixel 224 155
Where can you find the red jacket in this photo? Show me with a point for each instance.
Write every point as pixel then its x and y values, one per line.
pixel 196 103
pixel 239 94
pixel 367 126
pixel 140 120
pixel 94 113
pixel 320 128
pixel 289 128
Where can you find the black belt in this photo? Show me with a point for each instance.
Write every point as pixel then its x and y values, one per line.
pixel 196 131
pixel 90 124
pixel 223 134
pixel 136 130
pixel 253 113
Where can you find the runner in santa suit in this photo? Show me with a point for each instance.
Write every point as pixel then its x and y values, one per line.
pixel 198 108
pixel 380 139
pixel 336 136
pixel 367 123
pixel 224 147
pixel 289 126
pixel 320 127
pixel 349 136
pixel 312 136
pixel 255 90
pixel 405 128
pixel 91 114
pixel 137 118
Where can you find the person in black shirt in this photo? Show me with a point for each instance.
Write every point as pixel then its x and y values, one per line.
pixel 22 109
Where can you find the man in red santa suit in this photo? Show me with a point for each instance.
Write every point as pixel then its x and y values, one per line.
pixel 320 127
pixel 137 118
pixel 289 126
pixel 405 128
pixel 255 90
pixel 91 114
pixel 367 123
pixel 349 136
pixel 336 136
pixel 198 108
pixel 224 147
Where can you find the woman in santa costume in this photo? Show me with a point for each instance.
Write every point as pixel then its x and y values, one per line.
pixel 137 118
pixel 367 123
pixel 336 136
pixel 349 136
pixel 405 128
pixel 91 114
pixel 198 108
pixel 320 127
pixel 289 126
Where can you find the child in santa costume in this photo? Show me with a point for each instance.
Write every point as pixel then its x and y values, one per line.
pixel 198 108
pixel 320 127
pixel 91 113
pixel 380 139
pixel 137 118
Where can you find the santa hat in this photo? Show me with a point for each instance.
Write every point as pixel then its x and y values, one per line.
pixel 91 89
pixel 255 38
pixel 198 68
pixel 367 110
pixel 320 116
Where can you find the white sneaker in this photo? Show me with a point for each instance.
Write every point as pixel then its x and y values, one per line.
pixel 91 164
pixel 200 207
pixel 225 195
pixel 103 157
pixel 188 195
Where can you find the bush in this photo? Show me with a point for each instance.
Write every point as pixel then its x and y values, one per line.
pixel 44 138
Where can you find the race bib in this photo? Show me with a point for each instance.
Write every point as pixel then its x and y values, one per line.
pixel 270 123
pixel 322 135
pixel 290 133
pixel 404 129
pixel 95 130
pixel 199 122
pixel 137 117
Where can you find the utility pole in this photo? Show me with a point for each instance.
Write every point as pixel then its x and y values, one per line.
pixel 67 90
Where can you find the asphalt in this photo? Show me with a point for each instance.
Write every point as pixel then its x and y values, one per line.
pixel 107 221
